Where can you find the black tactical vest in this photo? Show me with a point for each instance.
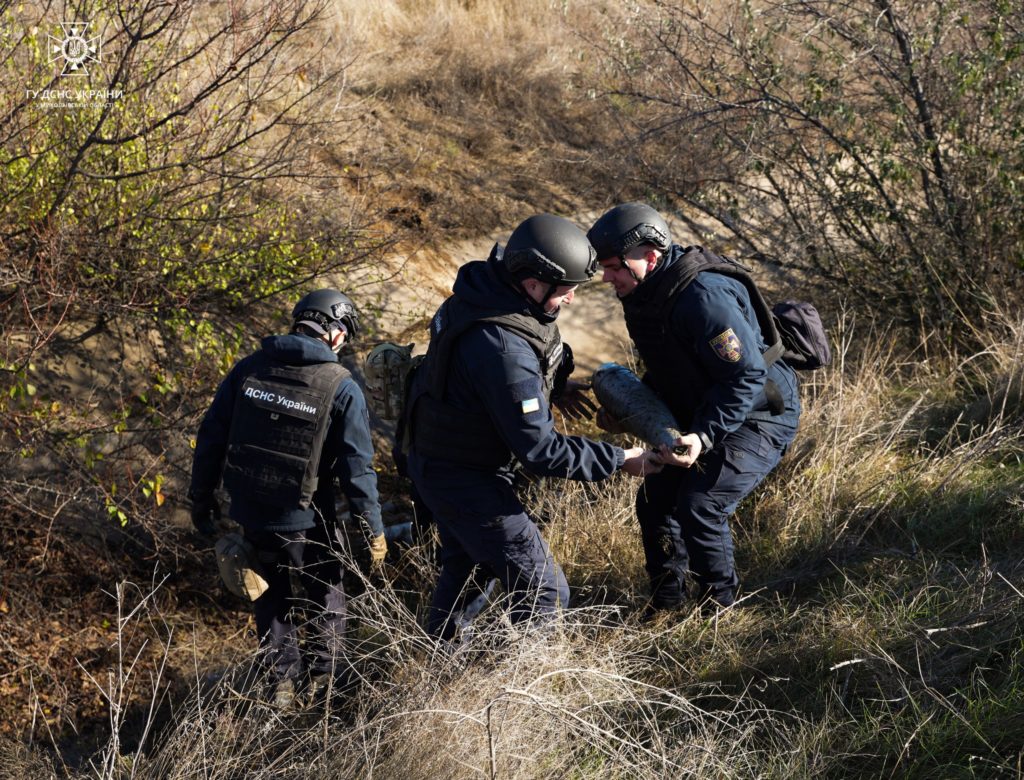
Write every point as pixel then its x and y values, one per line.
pixel 442 431
pixel 672 366
pixel 281 416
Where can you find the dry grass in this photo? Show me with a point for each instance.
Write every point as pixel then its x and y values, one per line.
pixel 880 633
pixel 478 114
pixel 404 31
pixel 570 698
pixel 883 430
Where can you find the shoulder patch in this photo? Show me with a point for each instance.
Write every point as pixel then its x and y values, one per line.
pixel 526 389
pixel 727 346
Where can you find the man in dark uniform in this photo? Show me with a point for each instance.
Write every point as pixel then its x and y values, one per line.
pixel 284 424
pixel 697 333
pixel 480 402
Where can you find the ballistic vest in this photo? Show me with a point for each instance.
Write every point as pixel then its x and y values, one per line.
pixel 440 430
pixel 648 310
pixel 281 416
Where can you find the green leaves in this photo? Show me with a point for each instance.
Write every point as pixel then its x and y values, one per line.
pixel 153 199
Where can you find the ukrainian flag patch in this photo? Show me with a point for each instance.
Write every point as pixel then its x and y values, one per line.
pixel 531 405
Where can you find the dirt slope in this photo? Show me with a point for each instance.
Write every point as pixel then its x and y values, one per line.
pixel 409 287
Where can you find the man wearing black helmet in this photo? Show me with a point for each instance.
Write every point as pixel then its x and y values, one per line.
pixel 696 329
pixel 480 401
pixel 284 424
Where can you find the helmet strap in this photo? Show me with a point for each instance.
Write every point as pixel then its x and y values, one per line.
pixel 628 267
pixel 625 264
pixel 548 296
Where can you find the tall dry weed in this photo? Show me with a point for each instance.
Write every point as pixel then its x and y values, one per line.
pixel 885 433
pixel 567 697
pixel 893 652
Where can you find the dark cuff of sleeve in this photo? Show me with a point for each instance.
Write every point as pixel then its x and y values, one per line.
pixel 620 458
pixel 705 441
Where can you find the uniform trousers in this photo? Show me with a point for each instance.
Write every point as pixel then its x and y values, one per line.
pixel 313 556
pixel 684 517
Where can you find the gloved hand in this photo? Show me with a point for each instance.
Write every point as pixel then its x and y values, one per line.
pixel 205 514
pixel 378 550
pixel 573 401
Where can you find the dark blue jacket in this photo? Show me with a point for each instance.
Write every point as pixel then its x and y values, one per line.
pixel 495 371
pixel 708 365
pixel 347 453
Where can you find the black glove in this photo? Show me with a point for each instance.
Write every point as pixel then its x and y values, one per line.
pixel 205 514
pixel 573 401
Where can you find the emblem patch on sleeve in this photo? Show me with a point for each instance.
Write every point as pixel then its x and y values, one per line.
pixel 727 346
pixel 531 405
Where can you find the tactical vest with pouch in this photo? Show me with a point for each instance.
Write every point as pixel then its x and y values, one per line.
pixel 442 431
pixel 278 430
pixel 791 329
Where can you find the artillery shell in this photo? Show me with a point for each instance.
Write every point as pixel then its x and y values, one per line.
pixel 636 406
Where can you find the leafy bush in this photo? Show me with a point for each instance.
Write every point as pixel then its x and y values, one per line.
pixel 876 145
pixel 159 167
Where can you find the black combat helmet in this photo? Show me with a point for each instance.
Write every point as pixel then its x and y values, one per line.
pixel 550 249
pixel 626 226
pixel 327 308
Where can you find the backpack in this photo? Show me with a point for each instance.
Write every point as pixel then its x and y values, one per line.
pixel 387 369
pixel 803 336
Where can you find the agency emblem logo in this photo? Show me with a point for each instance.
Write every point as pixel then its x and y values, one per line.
pixel 727 346
pixel 75 49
